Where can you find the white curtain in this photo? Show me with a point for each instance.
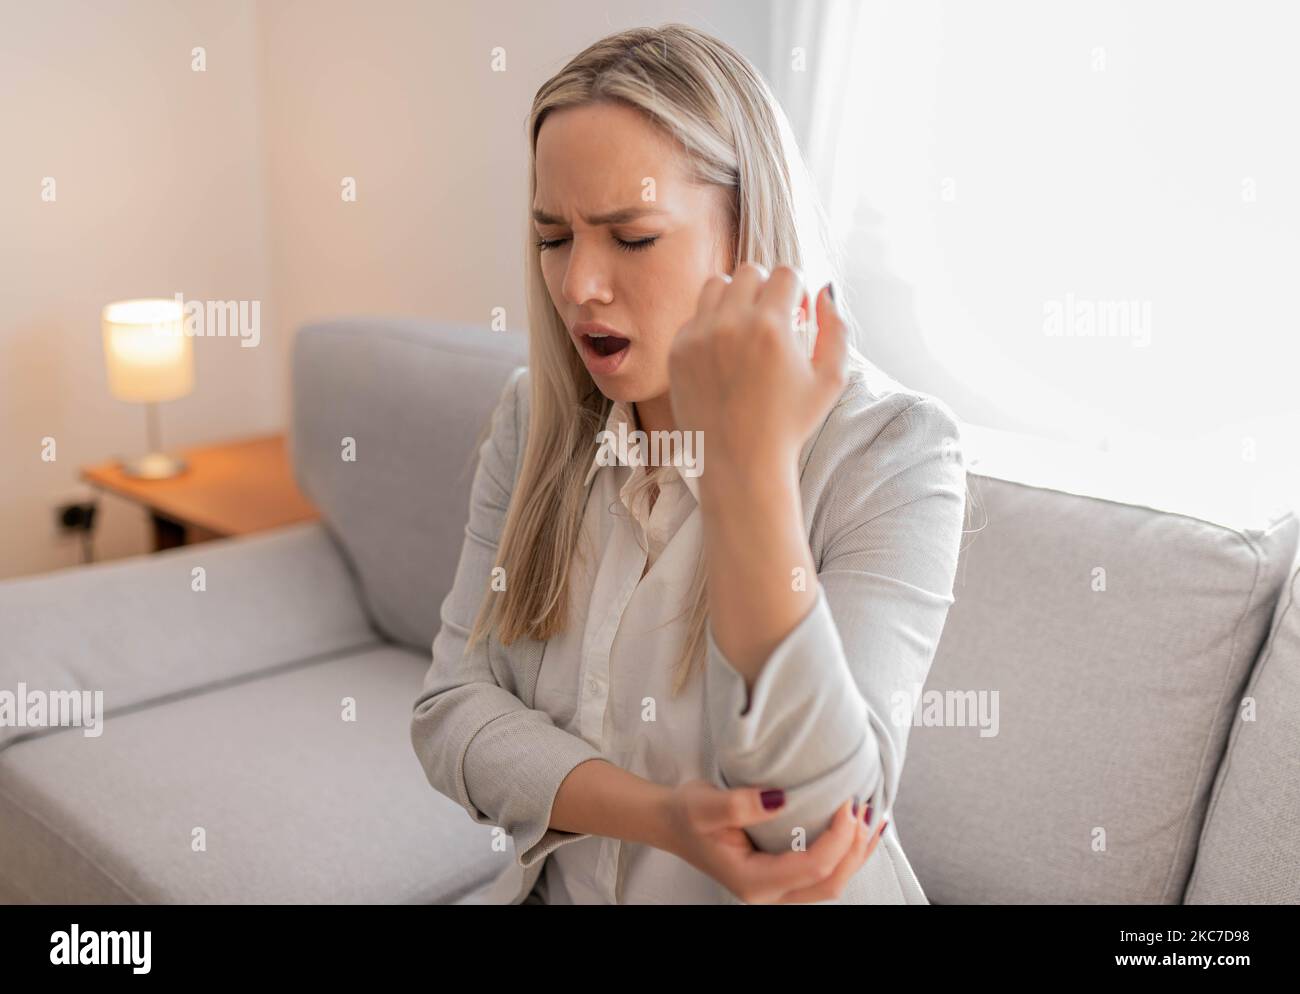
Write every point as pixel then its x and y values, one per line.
pixel 985 166
pixel 811 60
pixel 828 64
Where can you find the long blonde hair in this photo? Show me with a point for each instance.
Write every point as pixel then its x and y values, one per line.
pixel 734 134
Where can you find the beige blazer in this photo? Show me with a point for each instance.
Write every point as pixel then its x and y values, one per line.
pixel 884 496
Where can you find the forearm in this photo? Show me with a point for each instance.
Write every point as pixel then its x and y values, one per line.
pixel 599 798
pixel 754 542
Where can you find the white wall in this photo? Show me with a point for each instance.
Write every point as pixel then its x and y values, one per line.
pixel 225 185
pixel 159 185
pixel 401 96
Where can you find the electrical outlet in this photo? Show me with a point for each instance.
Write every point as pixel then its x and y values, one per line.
pixel 78 516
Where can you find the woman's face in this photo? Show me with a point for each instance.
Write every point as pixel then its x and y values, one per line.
pixel 627 241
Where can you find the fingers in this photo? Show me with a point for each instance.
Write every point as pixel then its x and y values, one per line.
pixel 782 292
pixel 830 356
pixel 830 886
pixel 737 301
pixel 755 805
pixel 711 294
pixel 791 871
pixel 864 845
pixel 738 807
pixel 875 839
pixel 751 286
pixel 746 282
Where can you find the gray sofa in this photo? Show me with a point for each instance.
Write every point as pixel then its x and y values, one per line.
pixel 256 744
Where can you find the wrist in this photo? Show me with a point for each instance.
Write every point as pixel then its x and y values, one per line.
pixel 767 480
pixel 659 824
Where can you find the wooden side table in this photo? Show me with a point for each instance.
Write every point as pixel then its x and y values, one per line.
pixel 235 488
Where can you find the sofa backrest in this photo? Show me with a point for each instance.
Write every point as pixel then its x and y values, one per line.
pixel 1116 612
pixel 1249 851
pixel 411 399
pixel 1118 626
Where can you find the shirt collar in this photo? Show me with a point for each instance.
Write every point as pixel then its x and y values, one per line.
pixel 621 412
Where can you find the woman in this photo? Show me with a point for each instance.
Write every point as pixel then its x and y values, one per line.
pixel 671 685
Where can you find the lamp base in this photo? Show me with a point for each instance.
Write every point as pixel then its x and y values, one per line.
pixel 154 466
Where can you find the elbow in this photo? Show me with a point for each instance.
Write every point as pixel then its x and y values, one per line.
pixel 427 735
pixel 811 804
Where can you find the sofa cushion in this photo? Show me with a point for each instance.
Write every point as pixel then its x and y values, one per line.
pixel 128 628
pixel 1117 633
pixel 414 400
pixel 1249 848
pixel 298 805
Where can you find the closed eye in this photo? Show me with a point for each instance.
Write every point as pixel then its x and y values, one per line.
pixel 639 245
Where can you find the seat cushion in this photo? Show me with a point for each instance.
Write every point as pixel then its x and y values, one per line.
pixel 411 401
pixel 1250 848
pixel 1117 636
pixel 297 804
pixel 128 628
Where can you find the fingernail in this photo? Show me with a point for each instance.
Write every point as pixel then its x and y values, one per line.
pixel 830 291
pixel 855 807
pixel 884 826
pixel 772 799
pixel 867 817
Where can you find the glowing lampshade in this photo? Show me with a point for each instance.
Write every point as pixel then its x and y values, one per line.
pixel 150 359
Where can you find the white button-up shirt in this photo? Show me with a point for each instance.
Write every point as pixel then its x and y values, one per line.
pixel 608 676
pixel 828 716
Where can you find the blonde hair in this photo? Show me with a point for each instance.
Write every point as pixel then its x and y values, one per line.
pixel 733 134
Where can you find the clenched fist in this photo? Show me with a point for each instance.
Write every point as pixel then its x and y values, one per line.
pixel 738 371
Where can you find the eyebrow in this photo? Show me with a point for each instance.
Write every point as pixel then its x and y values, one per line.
pixel 620 216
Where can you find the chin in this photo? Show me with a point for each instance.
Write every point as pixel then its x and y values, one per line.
pixel 616 389
pixel 623 385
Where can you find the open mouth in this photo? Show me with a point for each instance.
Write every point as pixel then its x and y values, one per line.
pixel 606 345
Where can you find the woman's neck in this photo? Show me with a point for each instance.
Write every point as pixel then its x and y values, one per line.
pixel 655 414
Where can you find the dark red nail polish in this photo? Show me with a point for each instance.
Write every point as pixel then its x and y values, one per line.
pixel 855 807
pixel 772 799
pixel 866 819
pixel 830 290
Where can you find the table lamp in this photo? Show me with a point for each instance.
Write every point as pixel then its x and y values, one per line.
pixel 150 360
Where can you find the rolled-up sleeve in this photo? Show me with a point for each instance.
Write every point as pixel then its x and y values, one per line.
pixel 829 714
pixel 478 743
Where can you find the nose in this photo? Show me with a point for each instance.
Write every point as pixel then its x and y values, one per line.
pixel 587 276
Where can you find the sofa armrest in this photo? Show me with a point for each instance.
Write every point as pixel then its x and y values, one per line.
pixel 152 627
